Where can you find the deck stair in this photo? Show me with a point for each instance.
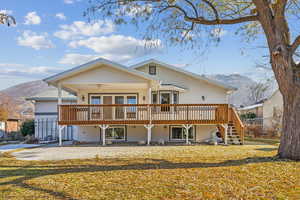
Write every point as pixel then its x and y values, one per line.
pixel 233 137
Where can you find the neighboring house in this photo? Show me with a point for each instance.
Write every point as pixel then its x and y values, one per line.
pixel 256 109
pixel 273 110
pixel 148 102
pixel 45 114
pixel 9 126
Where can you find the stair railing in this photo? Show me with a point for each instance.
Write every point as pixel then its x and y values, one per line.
pixel 237 122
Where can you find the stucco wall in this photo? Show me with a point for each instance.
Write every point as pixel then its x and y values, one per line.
pixel 195 88
pixel 104 74
pixel 48 106
pixel 274 102
pixel 139 133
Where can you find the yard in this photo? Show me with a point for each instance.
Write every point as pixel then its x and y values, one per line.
pixel 176 172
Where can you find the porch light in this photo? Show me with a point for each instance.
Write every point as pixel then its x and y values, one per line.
pixel 144 98
pixel 203 98
pixel 83 98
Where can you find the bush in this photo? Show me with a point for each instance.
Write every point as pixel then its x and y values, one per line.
pixel 27 128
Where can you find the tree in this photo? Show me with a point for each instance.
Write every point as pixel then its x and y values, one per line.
pixel 3 114
pixel 7 19
pixel 258 92
pixel 182 20
pixel 27 128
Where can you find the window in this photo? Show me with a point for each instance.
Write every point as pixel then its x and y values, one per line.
pixel 178 133
pixel 154 98
pixel 131 100
pixel 115 133
pixel 175 97
pixel 152 69
pixel 96 100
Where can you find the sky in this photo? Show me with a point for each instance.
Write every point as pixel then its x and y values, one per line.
pixel 52 36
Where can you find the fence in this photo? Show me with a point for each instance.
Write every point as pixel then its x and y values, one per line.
pixel 47 130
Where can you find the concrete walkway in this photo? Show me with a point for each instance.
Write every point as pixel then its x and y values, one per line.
pixel 11 147
pixel 86 152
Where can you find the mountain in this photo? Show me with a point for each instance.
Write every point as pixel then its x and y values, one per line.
pixel 17 94
pixel 241 83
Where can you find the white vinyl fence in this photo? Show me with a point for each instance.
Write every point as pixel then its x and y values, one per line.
pixel 47 130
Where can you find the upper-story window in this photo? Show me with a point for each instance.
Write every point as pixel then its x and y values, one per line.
pixel 152 69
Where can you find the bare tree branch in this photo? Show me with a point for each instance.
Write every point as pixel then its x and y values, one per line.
pixel 201 20
pixel 295 44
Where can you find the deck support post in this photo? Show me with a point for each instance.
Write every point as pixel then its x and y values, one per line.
pixel 148 127
pixel 187 128
pixel 226 134
pixel 60 129
pixel 103 129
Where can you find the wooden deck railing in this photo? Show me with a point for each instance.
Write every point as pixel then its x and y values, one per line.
pixel 239 126
pixel 143 114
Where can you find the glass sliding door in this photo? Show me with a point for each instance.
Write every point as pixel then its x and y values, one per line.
pixel 178 133
pixel 107 110
pixel 119 111
pixel 95 112
pixel 165 98
pixel 131 111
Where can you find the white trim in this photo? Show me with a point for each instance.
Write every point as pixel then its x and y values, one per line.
pixel 92 64
pixel 197 76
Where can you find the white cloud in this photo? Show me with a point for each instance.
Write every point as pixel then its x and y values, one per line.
pixel 77 59
pixel 81 28
pixel 117 47
pixel 35 41
pixel 61 16
pixel 218 32
pixel 7 12
pixel 32 18
pixel 20 70
pixel 68 1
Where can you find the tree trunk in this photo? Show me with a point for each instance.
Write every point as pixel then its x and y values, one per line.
pixel 290 138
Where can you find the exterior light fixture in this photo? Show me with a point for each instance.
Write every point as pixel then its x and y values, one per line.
pixel 82 98
pixel 203 98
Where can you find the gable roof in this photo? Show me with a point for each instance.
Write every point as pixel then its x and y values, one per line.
pixel 194 75
pixel 91 64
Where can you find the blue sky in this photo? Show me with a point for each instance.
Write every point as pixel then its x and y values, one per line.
pixel 52 36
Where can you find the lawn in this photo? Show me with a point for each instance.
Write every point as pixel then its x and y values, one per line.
pixel 184 172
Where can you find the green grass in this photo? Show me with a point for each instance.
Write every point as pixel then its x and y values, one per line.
pixel 184 172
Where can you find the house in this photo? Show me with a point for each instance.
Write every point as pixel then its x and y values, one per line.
pixel 256 109
pixel 45 114
pixel 149 102
pixel 273 110
pixel 8 126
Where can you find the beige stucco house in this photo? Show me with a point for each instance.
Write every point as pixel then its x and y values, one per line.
pixel 272 110
pixel 148 102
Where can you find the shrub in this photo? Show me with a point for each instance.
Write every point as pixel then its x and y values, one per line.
pixel 27 128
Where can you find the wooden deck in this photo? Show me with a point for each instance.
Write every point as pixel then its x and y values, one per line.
pixel 143 114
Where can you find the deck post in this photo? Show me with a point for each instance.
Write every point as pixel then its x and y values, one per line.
pixel 103 130
pixel 226 134
pixel 60 129
pixel 59 94
pixel 187 128
pixel 148 127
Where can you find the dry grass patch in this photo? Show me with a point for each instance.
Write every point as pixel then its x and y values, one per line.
pixel 183 172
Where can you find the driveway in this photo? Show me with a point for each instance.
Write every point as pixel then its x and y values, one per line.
pixel 11 147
